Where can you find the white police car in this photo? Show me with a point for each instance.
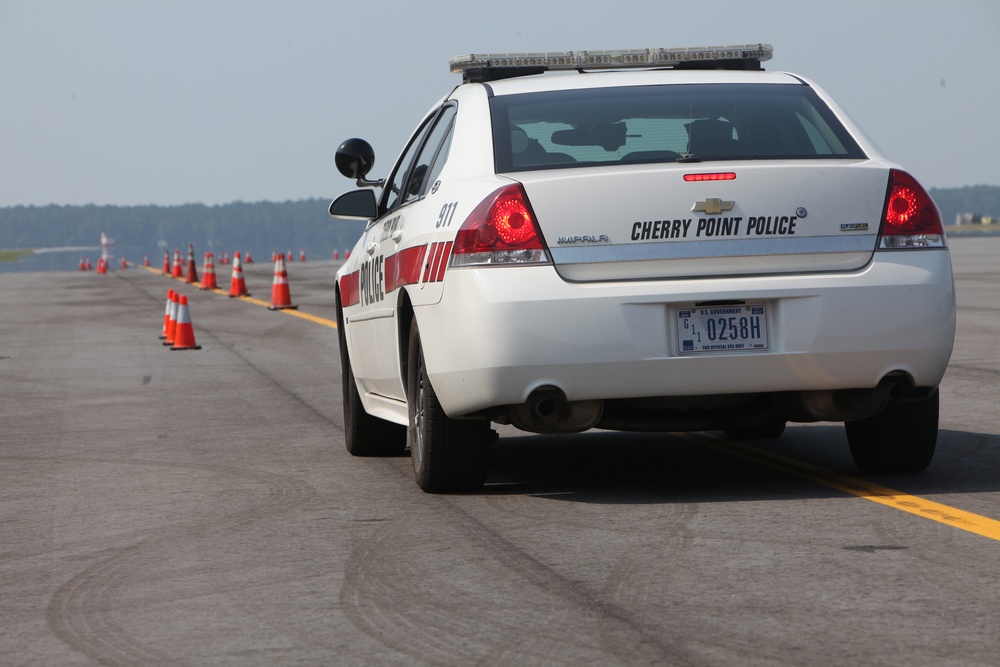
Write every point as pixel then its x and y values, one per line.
pixel 654 240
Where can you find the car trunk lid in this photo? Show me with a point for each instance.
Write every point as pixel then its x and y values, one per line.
pixel 725 218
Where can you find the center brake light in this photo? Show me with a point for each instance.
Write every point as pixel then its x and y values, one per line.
pixel 911 218
pixel 501 230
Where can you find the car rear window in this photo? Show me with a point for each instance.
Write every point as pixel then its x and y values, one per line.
pixel 648 124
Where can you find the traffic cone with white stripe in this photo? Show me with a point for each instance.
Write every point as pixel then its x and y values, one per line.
pixel 281 297
pixel 166 315
pixel 238 287
pixel 171 318
pixel 102 266
pixel 166 262
pixel 192 271
pixel 208 279
pixel 184 334
pixel 177 271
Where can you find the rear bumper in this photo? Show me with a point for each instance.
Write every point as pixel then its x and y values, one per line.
pixel 500 333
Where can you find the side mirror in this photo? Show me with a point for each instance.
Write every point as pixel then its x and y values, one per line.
pixel 355 205
pixel 355 158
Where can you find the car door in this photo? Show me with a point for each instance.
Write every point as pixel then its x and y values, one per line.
pixel 402 214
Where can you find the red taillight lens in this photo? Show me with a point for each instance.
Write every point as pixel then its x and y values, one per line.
pixel 501 230
pixel 911 218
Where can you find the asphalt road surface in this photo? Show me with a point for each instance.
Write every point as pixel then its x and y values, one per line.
pixel 199 507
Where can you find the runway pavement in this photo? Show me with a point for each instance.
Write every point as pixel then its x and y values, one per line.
pixel 198 507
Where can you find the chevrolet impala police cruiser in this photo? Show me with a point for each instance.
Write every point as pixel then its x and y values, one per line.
pixel 649 240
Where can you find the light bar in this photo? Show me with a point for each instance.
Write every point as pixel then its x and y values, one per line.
pixel 626 59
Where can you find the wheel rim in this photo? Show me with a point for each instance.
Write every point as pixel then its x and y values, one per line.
pixel 418 416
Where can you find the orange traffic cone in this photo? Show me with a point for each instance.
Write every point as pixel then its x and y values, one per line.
pixel 124 263
pixel 192 271
pixel 88 266
pixel 166 315
pixel 290 259
pixel 83 265
pixel 336 254
pixel 281 298
pixel 238 287
pixel 184 333
pixel 302 255
pixel 166 262
pixel 249 259
pixel 145 260
pixel 208 279
pixel 171 318
pixel 102 266
pixel 177 271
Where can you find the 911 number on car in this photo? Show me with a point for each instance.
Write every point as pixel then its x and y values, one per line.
pixel 722 328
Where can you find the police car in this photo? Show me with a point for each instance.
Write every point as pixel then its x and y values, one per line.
pixel 646 240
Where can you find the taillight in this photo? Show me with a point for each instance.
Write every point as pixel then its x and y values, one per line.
pixel 501 230
pixel 911 218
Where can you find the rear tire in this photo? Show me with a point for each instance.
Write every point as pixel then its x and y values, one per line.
pixel 448 455
pixel 364 435
pixel 901 438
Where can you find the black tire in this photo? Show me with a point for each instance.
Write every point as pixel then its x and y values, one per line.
pixel 449 455
pixel 901 438
pixel 768 431
pixel 364 435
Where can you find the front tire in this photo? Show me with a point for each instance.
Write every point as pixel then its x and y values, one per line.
pixel 901 438
pixel 364 435
pixel 448 455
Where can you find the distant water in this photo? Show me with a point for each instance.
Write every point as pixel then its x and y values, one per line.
pixel 68 259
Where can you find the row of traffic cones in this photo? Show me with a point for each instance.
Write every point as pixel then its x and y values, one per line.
pixel 280 293
pixel 290 258
pixel 178 332
pixel 102 264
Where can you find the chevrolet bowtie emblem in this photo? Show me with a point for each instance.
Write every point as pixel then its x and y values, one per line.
pixel 712 206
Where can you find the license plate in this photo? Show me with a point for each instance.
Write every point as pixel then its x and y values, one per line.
pixel 722 329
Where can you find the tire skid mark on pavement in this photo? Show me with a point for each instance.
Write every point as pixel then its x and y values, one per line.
pixel 928 509
pixel 387 595
pixel 391 600
pixel 82 611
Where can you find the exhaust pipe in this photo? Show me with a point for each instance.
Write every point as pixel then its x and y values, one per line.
pixel 548 411
pixel 852 404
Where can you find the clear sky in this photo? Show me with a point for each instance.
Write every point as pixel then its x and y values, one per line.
pixel 134 102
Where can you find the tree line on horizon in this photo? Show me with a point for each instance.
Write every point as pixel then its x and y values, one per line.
pixel 260 226
pixel 267 226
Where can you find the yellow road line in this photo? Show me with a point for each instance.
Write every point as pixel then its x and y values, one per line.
pixel 951 516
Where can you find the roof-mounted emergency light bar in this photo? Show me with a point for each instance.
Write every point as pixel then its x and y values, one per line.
pixel 492 66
